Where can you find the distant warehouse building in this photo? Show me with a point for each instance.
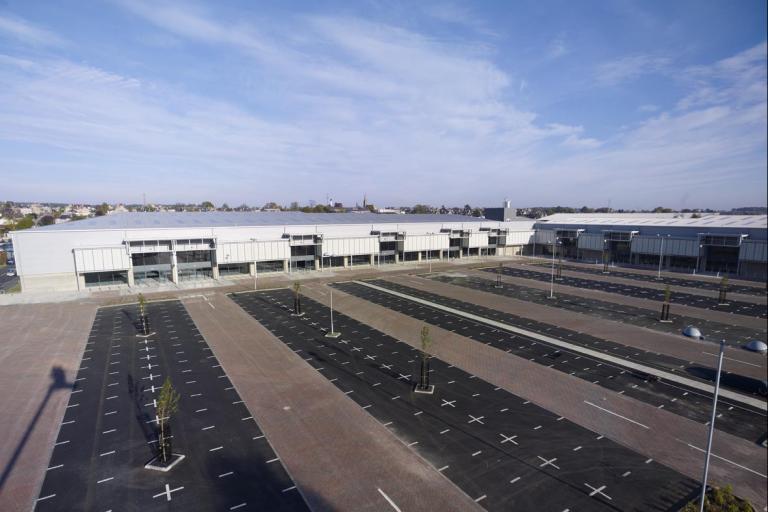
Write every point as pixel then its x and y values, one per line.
pixel 130 249
pixel 732 244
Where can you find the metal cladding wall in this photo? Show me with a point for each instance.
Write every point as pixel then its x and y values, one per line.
pixel 40 252
pixel 350 246
pixel 520 237
pixel 261 250
pixel 591 241
pixel 434 242
pixel 102 259
pixel 48 254
pixel 754 250
pixel 672 246
pixel 545 236
pixel 478 239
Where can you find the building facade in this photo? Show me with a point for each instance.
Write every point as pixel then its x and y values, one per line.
pixel 135 249
pixel 132 249
pixel 725 244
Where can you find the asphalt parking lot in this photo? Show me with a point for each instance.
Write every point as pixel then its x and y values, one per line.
pixel 733 334
pixel 109 431
pixel 7 282
pixel 713 285
pixel 734 418
pixel 504 452
pixel 697 301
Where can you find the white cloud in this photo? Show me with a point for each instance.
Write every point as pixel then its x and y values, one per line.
pixel 739 79
pixel 27 33
pixel 558 48
pixel 630 68
pixel 374 107
pixel 648 108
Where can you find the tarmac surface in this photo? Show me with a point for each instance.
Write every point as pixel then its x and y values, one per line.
pixel 110 429
pixel 698 301
pixel 733 334
pixel 735 418
pixel 504 452
pixel 713 285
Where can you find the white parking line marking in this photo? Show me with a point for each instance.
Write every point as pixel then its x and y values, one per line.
pixel 389 500
pixel 615 414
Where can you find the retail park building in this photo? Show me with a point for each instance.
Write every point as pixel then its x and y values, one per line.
pixel 131 249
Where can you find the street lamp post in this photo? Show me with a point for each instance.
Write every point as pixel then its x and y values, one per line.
pixel 255 265
pixel 711 427
pixel 429 253
pixel 661 255
pixel 698 257
pixel 552 283
pixel 332 333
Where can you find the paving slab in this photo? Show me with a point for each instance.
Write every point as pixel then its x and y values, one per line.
pixel 504 451
pixel 336 453
pixel 739 361
pixel 706 279
pixel 635 289
pixel 693 312
pixel 667 438
pixel 39 356
pixel 735 292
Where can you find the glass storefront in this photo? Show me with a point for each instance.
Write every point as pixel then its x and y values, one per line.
pixel 93 279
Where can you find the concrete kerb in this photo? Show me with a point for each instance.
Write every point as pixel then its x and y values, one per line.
pixel 658 444
pixel 738 397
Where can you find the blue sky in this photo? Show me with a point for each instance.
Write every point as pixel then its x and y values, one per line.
pixel 620 103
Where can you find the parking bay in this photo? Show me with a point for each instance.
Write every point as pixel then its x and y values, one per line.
pixel 109 431
pixel 734 335
pixel 737 419
pixel 711 303
pixel 504 452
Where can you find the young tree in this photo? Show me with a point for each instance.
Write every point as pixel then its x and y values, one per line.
pixel 665 305
pixel 167 405
pixel 297 298
pixel 143 321
pixel 426 343
pixel 723 290
pixel 499 271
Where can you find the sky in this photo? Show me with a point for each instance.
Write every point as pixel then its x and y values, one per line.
pixel 620 103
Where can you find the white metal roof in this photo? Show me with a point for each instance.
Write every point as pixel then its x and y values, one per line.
pixel 662 220
pixel 146 220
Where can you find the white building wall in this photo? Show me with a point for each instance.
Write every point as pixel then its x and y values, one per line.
pixel 430 242
pixel 101 259
pixel 478 239
pixel 520 237
pixel 350 246
pixel 248 251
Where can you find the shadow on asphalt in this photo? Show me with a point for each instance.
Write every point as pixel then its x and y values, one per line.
pixel 58 382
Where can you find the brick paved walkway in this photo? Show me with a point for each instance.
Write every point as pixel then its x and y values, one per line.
pixel 39 357
pixel 338 455
pixel 625 334
pixel 719 316
pixel 656 433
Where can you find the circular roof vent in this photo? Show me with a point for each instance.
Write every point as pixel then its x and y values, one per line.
pixel 693 332
pixel 757 346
